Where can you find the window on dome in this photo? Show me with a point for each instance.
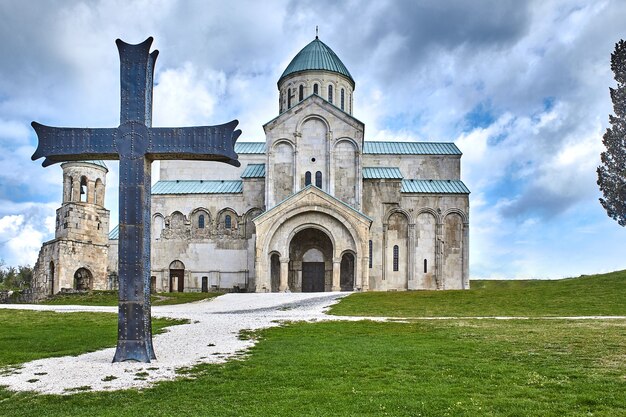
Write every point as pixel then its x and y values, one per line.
pixel 316 89
pixel 289 98
pixel 318 179
pixel 301 93
pixel 307 178
pixel 330 94
pixel 83 189
pixel 342 100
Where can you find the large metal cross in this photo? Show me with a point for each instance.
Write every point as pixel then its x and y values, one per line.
pixel 136 144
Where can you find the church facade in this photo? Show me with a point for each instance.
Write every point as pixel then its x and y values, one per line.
pixel 315 207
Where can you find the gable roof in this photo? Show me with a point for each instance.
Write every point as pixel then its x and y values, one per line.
pixel 313 188
pixel 250 147
pixel 316 56
pixel 434 187
pixel 382 173
pixel 254 171
pixel 197 187
pixel 410 148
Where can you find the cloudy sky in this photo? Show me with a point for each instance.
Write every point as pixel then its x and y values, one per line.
pixel 520 87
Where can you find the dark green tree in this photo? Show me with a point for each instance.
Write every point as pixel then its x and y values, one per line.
pixel 612 171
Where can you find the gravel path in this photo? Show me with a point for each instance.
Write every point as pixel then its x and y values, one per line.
pixel 210 337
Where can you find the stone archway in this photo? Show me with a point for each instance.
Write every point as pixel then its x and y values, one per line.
pixel 311 254
pixel 177 276
pixel 83 280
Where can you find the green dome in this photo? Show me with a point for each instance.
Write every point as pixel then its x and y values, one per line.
pixel 316 56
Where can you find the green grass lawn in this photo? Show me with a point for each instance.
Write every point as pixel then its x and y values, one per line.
pixel 110 298
pixel 584 296
pixel 27 335
pixel 425 368
pixel 461 367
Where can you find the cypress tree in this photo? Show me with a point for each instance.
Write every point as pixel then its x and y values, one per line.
pixel 612 171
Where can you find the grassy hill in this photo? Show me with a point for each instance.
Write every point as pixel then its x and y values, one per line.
pixel 587 295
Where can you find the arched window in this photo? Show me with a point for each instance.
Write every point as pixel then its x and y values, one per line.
pixel 342 99
pixel 51 278
pixel 307 178
pixel 425 266
pixel 228 222
pixel 289 98
pixel 201 221
pixel 301 93
pixel 83 189
pixel 396 255
pixel 318 179
pixel 330 93
pixel 316 89
pixel 371 253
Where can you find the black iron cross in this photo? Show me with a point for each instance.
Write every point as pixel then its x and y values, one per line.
pixel 136 144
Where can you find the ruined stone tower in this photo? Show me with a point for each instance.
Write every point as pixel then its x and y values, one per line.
pixel 77 256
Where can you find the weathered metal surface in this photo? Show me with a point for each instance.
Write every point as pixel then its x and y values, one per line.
pixel 136 144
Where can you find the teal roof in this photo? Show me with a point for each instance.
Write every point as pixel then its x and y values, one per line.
pixel 411 148
pixel 316 56
pixel 254 171
pixel 115 233
pixel 197 187
pixel 382 173
pixel 434 187
pixel 250 147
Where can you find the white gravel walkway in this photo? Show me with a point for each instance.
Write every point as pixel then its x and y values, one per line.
pixel 211 337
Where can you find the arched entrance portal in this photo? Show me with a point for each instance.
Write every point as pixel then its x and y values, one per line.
pixel 177 276
pixel 311 254
pixel 346 274
pixel 83 279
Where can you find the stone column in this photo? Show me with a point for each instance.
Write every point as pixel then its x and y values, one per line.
pixel 284 275
pixel 439 256
pixel 465 243
pixel 411 252
pixel 336 274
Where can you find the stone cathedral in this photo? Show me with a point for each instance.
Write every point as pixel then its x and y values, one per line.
pixel 316 207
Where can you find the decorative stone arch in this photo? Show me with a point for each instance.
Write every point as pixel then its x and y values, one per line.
pixel 432 211
pixel 395 210
pixel 446 250
pixel 305 226
pixel 222 223
pixel 277 186
pixel 158 224
pixel 345 169
pixel 248 223
pixel 389 252
pixel 310 117
pixel 458 211
pixel 175 220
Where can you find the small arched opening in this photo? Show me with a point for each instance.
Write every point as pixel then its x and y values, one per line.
pixel 83 280
pixel 274 272
pixel 51 277
pixel 83 189
pixel 346 272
